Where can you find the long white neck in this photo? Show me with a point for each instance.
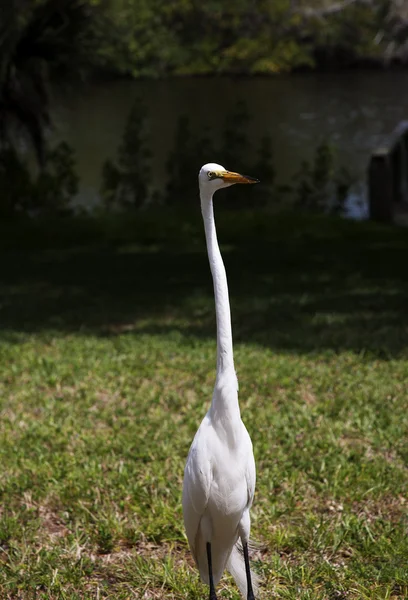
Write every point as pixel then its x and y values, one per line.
pixel 225 358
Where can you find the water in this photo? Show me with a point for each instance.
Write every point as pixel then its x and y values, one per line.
pixel 355 110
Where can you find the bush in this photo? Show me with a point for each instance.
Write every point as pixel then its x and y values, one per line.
pixel 49 191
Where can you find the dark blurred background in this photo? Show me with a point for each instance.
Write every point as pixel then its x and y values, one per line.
pixel 112 104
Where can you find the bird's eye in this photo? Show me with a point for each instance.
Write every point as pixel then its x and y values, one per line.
pixel 211 175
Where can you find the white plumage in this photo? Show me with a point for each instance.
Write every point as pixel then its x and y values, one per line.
pixel 219 477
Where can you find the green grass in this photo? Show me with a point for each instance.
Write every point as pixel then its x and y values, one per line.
pixel 107 360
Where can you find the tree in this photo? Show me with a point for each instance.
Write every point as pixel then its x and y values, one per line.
pixel 126 181
pixel 40 41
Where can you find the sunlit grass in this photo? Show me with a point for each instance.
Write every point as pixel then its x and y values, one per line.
pixel 106 368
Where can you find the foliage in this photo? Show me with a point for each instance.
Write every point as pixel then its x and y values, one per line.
pixel 39 42
pixel 343 182
pixel 125 183
pixel 350 36
pixel 235 142
pixel 50 190
pixel 15 183
pixel 155 38
pixel 314 180
pixel 183 165
pixel 107 367
pixel 322 186
pixel 51 40
pixel 193 149
pixel 47 41
pixel 265 171
pixel 57 183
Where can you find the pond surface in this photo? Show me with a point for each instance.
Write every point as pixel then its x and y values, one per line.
pixel 354 110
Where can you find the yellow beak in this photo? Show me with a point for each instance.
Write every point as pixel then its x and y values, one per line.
pixel 231 177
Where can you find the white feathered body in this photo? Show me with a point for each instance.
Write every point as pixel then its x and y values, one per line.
pixel 219 482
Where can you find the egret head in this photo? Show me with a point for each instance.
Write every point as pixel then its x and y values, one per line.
pixel 213 177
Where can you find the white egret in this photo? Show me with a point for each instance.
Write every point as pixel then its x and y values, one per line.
pixel 219 477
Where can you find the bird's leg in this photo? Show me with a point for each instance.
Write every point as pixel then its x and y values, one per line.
pixel 210 573
pixel 250 593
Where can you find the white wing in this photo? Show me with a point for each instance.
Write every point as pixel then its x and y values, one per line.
pixel 251 470
pixel 196 485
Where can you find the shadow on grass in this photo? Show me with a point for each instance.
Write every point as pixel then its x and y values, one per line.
pixel 296 283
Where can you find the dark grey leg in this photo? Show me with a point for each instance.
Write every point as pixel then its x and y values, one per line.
pixel 250 595
pixel 210 573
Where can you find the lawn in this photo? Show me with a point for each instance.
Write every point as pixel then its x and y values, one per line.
pixel 107 362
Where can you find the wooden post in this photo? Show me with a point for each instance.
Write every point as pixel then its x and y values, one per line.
pixel 404 164
pixel 388 176
pixel 380 186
